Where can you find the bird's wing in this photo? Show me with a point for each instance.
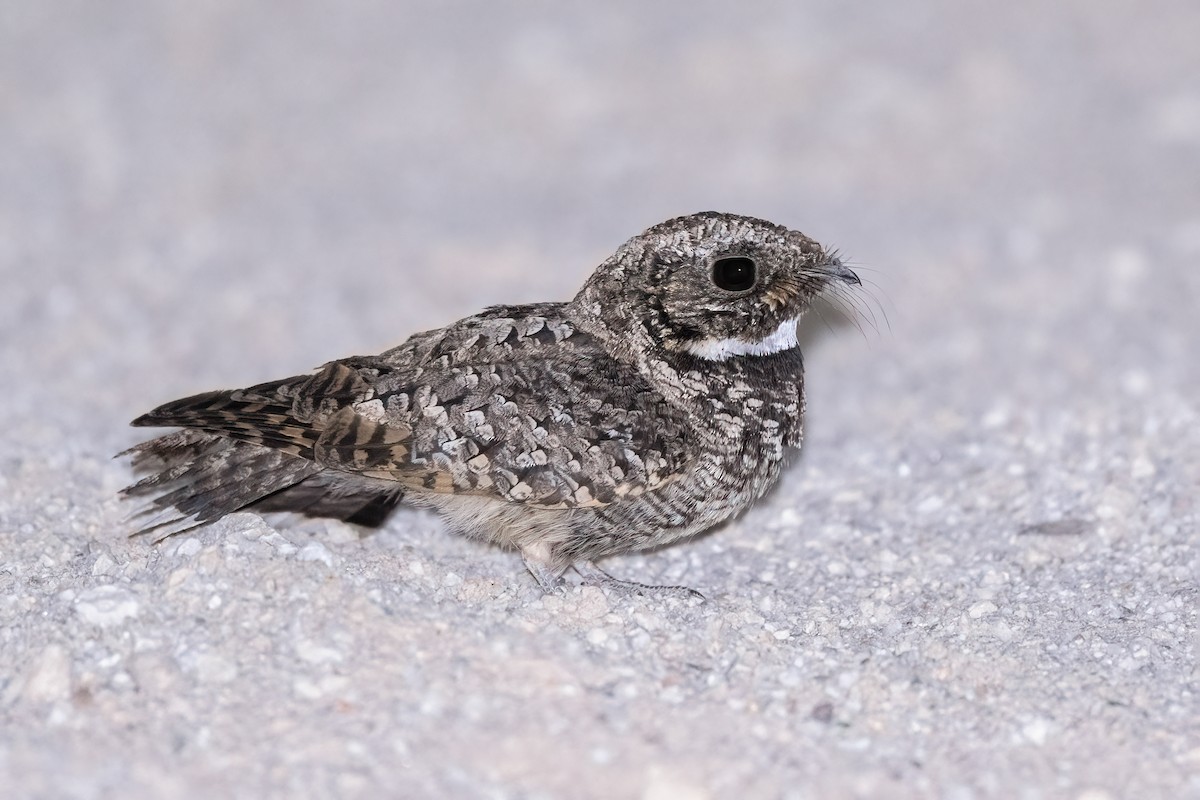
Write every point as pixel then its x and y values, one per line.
pixel 287 415
pixel 514 403
pixel 523 408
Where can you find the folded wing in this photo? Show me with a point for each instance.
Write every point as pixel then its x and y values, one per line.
pixel 513 404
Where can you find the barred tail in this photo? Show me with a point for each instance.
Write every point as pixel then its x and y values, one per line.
pixel 252 448
pixel 191 478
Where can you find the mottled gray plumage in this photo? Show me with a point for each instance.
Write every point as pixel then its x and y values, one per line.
pixel 656 404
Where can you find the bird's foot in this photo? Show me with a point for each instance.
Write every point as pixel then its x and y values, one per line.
pixel 549 580
pixel 594 576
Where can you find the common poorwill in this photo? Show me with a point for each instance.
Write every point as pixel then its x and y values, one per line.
pixel 655 405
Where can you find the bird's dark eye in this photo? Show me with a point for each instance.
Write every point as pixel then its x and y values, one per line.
pixel 735 274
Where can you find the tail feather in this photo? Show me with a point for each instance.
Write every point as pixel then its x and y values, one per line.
pixel 163 523
pixel 253 448
pixel 170 461
pixel 190 478
pixel 225 491
pixel 243 415
pixel 286 414
pixel 337 497
pixel 196 478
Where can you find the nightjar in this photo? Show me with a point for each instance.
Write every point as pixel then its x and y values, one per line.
pixel 656 404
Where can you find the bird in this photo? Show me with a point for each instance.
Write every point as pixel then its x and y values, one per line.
pixel 659 402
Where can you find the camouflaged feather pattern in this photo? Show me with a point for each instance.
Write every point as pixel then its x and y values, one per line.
pixel 653 406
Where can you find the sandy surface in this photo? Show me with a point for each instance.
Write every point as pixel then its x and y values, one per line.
pixel 980 579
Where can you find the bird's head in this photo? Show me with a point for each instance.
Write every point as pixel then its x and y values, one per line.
pixel 715 286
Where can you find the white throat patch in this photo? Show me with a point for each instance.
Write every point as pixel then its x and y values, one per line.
pixel 782 338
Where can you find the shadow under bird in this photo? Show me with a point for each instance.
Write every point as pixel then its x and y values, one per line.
pixel 658 403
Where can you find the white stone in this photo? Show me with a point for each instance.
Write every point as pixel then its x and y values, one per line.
pixel 49 676
pixel 314 653
pixel 982 609
pixel 188 547
pixel 104 606
pixel 103 565
pixel 1036 731
pixel 930 504
pixel 315 551
pixel 1143 468
pixel 668 784
pixel 212 667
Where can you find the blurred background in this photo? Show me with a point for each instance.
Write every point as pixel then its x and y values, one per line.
pixel 203 195
pixel 181 181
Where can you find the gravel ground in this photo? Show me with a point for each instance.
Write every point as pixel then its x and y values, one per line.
pixel 979 580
